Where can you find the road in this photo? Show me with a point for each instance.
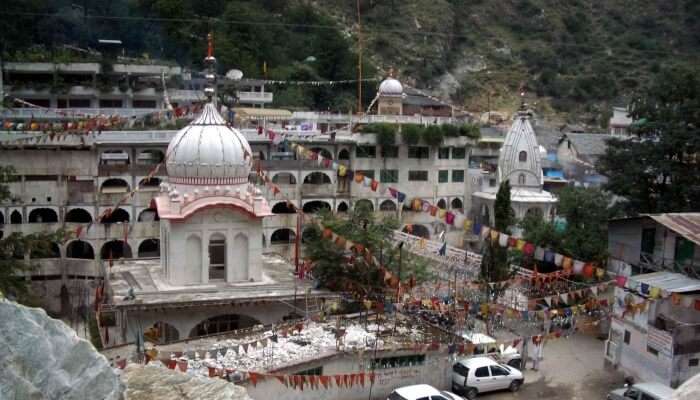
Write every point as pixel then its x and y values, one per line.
pixel 572 369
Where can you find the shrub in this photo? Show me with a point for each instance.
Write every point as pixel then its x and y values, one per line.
pixel 386 134
pixel 432 135
pixel 411 134
pixel 449 130
pixel 470 130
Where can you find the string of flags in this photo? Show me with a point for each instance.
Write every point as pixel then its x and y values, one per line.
pixel 651 293
pixel 316 83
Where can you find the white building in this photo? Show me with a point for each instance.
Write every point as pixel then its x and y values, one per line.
pixel 520 163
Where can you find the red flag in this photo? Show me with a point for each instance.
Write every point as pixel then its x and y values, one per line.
pixel 212 372
pixel 121 364
pixel 338 380
pixel 172 364
pixel 254 376
pixel 371 377
pixel 78 231
pixel 324 380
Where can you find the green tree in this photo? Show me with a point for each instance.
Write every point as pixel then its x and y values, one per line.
pixel 15 246
pixel 495 264
pixel 339 269
pixel 657 170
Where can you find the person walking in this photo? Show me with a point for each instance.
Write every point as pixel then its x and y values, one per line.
pixel 537 351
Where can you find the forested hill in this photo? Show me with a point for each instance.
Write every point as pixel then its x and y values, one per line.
pixel 574 55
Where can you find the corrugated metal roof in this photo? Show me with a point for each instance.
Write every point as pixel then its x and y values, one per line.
pixel 684 224
pixel 669 281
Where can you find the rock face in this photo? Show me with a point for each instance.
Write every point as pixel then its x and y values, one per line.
pixel 43 358
pixel 156 383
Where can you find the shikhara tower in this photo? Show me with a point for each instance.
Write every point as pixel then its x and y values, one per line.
pixel 520 163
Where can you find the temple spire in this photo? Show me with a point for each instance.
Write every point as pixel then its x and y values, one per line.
pixel 210 62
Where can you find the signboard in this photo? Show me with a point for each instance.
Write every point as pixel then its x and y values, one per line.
pixel 660 341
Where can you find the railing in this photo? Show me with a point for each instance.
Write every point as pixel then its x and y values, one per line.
pixel 71 113
pixel 455 259
pixel 366 119
pixel 260 97
pixel 96 231
pixel 291 165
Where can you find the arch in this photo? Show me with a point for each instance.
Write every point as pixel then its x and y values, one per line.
pixel 364 203
pixel 442 204
pixel 521 179
pixel 317 178
pixel 223 323
pixel 115 157
pixel 118 215
pixel 15 217
pixel 193 247
pixel 79 215
pixel 456 203
pixel 343 207
pixel 80 249
pixel 217 257
pixel 522 156
pixel 149 183
pixel 150 157
pixel 325 153
pixel 115 249
pixel 52 251
pixel 2 218
pixel 284 178
pixel 284 207
pixel 282 236
pixel 417 230
pixel 162 333
pixel 42 215
pixel 534 212
pixel 148 215
pixel 240 251
pixel 149 248
pixel 114 185
pixel 315 206
pixel 387 205
pixel 344 154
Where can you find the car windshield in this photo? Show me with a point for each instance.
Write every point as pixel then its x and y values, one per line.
pixel 446 394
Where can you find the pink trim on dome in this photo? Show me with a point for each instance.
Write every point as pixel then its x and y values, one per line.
pixel 208 181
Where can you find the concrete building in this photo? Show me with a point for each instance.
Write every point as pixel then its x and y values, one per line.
pixel 620 122
pixel 659 341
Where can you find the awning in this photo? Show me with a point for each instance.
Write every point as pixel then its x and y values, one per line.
pixel 266 113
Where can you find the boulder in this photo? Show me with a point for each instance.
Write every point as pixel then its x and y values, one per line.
pixel 43 358
pixel 157 383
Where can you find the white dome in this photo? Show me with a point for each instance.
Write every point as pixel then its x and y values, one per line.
pixel 390 87
pixel 209 148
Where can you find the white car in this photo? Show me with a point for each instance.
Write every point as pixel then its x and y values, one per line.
pixel 471 376
pixel 421 392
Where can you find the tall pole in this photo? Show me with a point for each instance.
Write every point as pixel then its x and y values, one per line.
pixel 359 60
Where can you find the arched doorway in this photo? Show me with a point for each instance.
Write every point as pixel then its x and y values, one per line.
pixel 343 154
pixel 217 257
pixel 282 236
pixel 149 248
pixel 442 204
pixel 193 247
pixel 317 178
pixel 114 185
pixel 118 215
pixel 78 215
pixel 15 217
pixel 223 323
pixel 240 250
pixel 417 230
pixel 42 215
pixel 161 333
pixel 2 218
pixel 151 184
pixel 115 249
pixel 284 178
pixel 284 208
pixel 343 207
pixel 148 215
pixel 80 249
pixel 387 205
pixel 364 204
pixel 456 203
pixel 315 206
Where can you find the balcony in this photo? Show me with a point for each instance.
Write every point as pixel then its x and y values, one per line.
pixel 291 165
pixel 321 190
pixel 254 97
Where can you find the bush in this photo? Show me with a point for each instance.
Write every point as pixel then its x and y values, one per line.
pixel 471 131
pixel 449 130
pixel 386 134
pixel 432 135
pixel 411 134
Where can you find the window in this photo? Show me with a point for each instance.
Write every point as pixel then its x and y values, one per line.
pixel 492 182
pixel 457 175
pixel 217 257
pixel 693 362
pixel 481 372
pixel 369 173
pixel 627 337
pixel 110 103
pixel 498 371
pixel 443 153
pixel 390 151
pixel 365 152
pixel 522 156
pixel 312 371
pixel 399 361
pixel 460 369
pixel 648 240
pixel 459 153
pixel 443 175
pixel 143 104
pixel 417 176
pixel 521 179
pixel 389 175
pixel 653 351
pixel 420 152
pixel 73 103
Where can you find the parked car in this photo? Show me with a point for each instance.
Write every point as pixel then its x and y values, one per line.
pixel 471 376
pixel 487 346
pixel 421 392
pixel 642 391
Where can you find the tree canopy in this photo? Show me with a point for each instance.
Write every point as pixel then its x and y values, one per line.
pixel 657 170
pixel 495 264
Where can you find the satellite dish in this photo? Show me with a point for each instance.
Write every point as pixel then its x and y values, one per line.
pixel 234 75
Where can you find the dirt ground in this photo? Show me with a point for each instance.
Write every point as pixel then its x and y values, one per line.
pixel 572 369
